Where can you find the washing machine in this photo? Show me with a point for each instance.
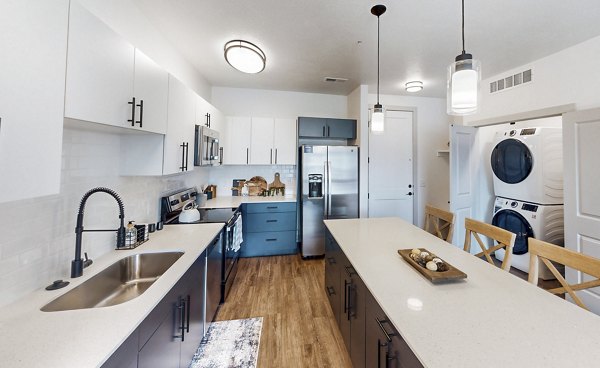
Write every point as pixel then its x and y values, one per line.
pixel 527 165
pixel 528 220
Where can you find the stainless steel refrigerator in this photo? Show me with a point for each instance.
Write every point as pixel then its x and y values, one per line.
pixel 329 190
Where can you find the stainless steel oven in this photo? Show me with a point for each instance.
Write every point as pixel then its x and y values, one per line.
pixel 207 149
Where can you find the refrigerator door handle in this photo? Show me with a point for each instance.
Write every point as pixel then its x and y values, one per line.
pixel 328 189
pixel 325 189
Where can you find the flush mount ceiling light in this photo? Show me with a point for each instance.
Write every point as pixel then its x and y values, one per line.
pixel 464 76
pixel 414 86
pixel 377 117
pixel 245 56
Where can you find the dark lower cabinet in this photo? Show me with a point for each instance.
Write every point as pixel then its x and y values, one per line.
pixel 172 332
pixel 332 276
pixel 369 336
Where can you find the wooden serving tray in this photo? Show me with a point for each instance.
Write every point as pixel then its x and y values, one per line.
pixel 451 274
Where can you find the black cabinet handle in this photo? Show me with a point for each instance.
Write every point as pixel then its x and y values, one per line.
pixel 380 323
pixel 271 239
pixel 220 155
pixel 379 346
pixel 189 307
pixel 247 155
pixel 328 131
pixel 323 130
pixel 184 155
pixel 275 155
pixel 346 284
pixel 350 271
pixel 330 290
pixel 141 106
pixel 181 307
pixel 271 155
pixel 331 260
pixel 272 207
pixel 271 220
pixel 207 120
pixel 132 103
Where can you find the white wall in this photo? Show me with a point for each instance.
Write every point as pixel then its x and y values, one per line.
pixel 283 104
pixel 358 109
pixel 38 235
pixel 568 76
pixel 125 18
pixel 432 131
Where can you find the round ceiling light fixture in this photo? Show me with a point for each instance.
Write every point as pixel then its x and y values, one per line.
pixel 414 86
pixel 245 56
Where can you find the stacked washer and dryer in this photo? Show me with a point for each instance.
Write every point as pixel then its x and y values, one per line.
pixel 528 184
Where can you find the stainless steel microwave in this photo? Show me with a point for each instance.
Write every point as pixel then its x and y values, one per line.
pixel 207 150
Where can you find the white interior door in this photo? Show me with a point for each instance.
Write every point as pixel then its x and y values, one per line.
pixel 581 134
pixel 462 178
pixel 391 186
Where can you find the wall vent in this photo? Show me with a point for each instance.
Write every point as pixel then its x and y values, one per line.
pixel 335 79
pixel 511 81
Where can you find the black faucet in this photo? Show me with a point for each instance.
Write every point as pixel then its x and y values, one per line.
pixel 78 264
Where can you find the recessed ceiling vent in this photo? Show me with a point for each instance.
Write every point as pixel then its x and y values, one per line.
pixel 511 81
pixel 334 79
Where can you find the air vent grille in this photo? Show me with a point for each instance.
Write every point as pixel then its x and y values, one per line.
pixel 511 81
pixel 335 79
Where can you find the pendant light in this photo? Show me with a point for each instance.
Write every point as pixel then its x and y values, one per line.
pixel 377 117
pixel 464 77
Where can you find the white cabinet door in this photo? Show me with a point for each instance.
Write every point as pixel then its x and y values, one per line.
pixel 261 142
pixel 180 129
pixel 285 141
pixel 151 91
pixel 32 76
pixel 202 108
pixel 99 71
pixel 237 141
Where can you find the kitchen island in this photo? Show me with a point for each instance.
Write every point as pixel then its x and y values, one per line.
pixel 489 319
pixel 88 337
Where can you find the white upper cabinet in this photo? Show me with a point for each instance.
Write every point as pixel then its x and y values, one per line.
pixel 32 76
pixel 261 142
pixel 151 90
pixel 179 140
pixel 99 71
pixel 237 141
pixel 285 141
pixel 109 81
pixel 209 116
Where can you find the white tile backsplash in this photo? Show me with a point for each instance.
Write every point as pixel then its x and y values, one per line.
pixel 37 241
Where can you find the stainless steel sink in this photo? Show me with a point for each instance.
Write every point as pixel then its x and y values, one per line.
pixel 124 280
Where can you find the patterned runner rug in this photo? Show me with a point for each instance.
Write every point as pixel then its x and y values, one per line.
pixel 230 344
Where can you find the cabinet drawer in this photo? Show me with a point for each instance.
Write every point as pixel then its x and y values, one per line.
pixel 269 244
pixel 269 222
pixel 271 207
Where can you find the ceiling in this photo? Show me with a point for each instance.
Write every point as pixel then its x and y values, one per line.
pixel 308 40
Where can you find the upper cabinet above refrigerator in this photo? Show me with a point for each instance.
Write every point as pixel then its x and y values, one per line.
pixel 309 127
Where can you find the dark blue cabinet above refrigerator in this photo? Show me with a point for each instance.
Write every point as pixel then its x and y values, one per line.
pixel 309 127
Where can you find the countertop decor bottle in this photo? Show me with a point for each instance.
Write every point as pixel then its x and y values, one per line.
pixel 130 235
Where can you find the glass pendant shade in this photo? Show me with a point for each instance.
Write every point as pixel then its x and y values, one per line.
pixel 245 56
pixel 464 77
pixel 377 120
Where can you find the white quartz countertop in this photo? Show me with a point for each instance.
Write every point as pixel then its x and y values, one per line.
pixel 87 337
pixel 490 319
pixel 234 202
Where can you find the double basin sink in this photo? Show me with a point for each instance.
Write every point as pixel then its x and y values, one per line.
pixel 124 280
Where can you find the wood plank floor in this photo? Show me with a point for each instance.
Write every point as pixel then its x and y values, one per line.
pixel 299 329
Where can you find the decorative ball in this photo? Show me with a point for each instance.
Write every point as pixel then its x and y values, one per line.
pixel 432 266
pixel 416 251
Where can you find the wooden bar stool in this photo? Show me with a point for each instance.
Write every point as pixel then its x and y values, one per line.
pixel 548 252
pixel 504 238
pixel 442 221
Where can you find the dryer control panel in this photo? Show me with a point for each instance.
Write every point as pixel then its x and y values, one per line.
pixel 529 207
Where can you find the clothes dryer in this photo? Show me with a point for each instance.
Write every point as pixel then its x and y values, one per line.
pixel 528 220
pixel 527 165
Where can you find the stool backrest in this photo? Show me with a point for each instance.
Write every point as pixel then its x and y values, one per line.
pixel 438 222
pixel 504 239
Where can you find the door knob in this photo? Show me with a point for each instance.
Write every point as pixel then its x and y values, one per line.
pixel 409 193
